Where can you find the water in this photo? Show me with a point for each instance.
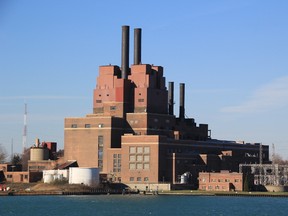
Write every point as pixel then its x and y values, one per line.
pixel 141 205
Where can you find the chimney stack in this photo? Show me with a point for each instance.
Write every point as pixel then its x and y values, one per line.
pixel 182 101
pixel 137 46
pixel 171 98
pixel 125 52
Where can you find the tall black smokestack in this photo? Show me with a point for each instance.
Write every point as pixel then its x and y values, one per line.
pixel 125 52
pixel 171 98
pixel 182 101
pixel 137 46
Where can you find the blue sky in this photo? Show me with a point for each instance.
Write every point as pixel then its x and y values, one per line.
pixel 232 55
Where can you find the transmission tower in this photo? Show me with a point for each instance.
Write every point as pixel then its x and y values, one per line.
pixel 24 141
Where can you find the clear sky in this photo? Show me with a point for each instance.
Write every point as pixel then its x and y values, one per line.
pixel 231 54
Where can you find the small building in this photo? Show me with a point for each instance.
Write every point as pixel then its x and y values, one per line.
pixel 11 173
pixel 221 181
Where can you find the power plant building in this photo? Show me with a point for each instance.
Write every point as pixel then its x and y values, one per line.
pixel 133 135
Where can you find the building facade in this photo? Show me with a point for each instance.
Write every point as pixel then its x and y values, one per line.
pixel 133 135
pixel 221 181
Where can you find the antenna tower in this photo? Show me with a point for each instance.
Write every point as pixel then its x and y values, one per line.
pixel 24 141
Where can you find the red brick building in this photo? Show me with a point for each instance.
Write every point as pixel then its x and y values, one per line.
pixel 221 181
pixel 134 137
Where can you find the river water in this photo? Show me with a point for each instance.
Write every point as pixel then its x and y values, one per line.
pixel 141 205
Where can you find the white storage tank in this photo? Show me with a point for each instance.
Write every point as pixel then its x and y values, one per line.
pixel 50 176
pixel 85 176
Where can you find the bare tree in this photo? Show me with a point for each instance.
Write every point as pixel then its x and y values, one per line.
pixel 279 160
pixel 25 158
pixel 3 154
pixel 16 159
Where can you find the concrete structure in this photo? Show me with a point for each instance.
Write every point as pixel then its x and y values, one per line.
pixel 38 154
pixel 134 137
pixel 221 181
pixel 85 176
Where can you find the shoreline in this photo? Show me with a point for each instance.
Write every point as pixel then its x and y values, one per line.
pixel 163 193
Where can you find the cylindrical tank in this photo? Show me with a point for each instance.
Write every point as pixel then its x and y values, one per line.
pixel 85 176
pixel 38 154
pixel 48 178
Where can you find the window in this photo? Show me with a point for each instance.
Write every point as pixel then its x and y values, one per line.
pixel 139 179
pixel 146 179
pixel 74 126
pixel 131 179
pixel 116 162
pixel 139 166
pixel 141 100
pixel 146 166
pixel 132 166
pixel 139 150
pixel 9 176
pixel 132 158
pixel 146 150
pixel 146 158
pixel 98 101
pixel 100 152
pixel 132 150
pixel 87 125
pixel 112 108
pixel 100 140
pixel 139 157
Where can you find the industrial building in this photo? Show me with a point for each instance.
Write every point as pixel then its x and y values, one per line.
pixel 133 136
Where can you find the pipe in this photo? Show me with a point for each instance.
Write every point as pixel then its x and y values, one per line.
pixel 171 98
pixel 137 46
pixel 125 52
pixel 182 101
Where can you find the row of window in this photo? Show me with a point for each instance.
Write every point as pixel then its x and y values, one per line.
pixel 11 176
pixel 222 180
pixel 138 179
pixel 139 150
pixel 139 158
pixel 217 187
pixel 86 125
pixel 139 166
pixel 155 120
